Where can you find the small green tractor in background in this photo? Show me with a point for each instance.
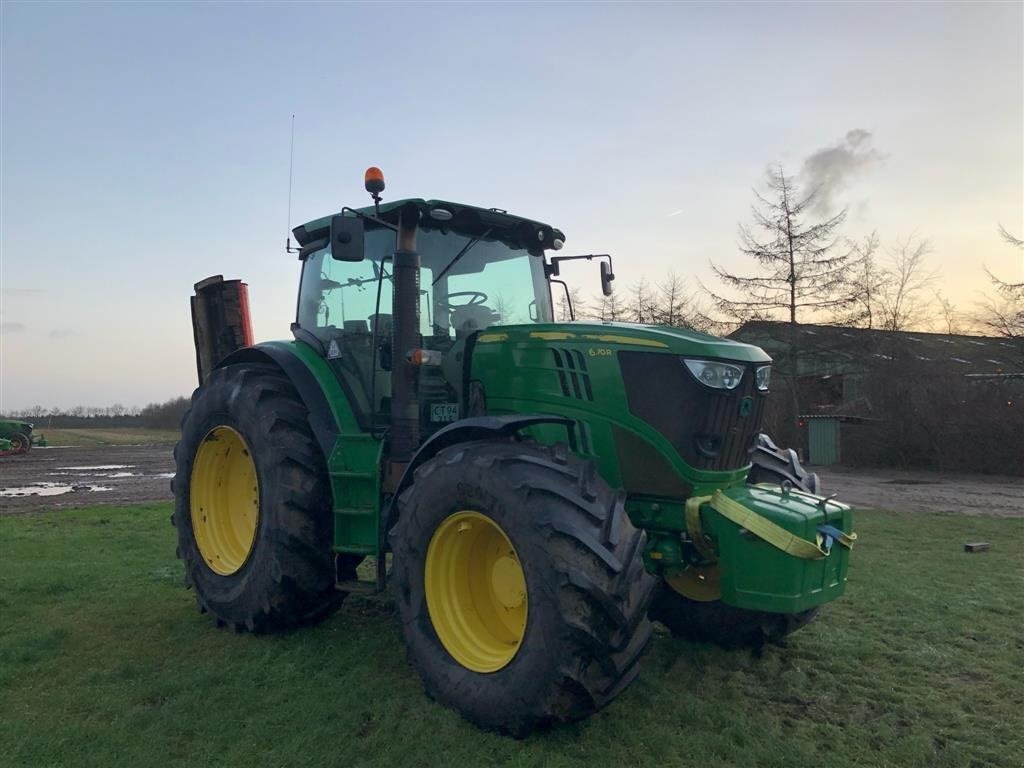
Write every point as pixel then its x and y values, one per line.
pixel 535 493
pixel 16 437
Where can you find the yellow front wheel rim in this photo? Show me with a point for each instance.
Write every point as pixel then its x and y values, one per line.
pixel 476 591
pixel 225 500
pixel 700 583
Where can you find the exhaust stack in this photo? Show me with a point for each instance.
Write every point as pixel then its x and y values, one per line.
pixel 405 407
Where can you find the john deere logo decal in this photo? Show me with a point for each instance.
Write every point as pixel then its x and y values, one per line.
pixel 746 406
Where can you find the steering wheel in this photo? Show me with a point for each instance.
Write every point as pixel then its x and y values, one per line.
pixel 476 298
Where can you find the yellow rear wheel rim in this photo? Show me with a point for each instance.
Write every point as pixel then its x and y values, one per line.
pixel 476 591
pixel 225 500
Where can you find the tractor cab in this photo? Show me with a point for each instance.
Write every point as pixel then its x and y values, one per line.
pixel 478 267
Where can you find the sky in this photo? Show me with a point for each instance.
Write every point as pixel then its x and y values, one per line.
pixel 145 146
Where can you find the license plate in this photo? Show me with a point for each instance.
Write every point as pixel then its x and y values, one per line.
pixel 444 412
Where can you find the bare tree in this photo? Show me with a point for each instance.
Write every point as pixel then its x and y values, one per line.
pixel 902 300
pixel 1002 314
pixel 948 317
pixel 866 280
pixel 609 308
pixel 674 304
pixel 1014 242
pixel 579 308
pixel 801 268
pixel 1010 290
pixel 641 304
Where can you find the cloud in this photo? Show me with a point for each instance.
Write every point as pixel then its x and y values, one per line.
pixel 9 326
pixel 60 333
pixel 676 213
pixel 830 170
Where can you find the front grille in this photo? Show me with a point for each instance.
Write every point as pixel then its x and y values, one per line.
pixel 710 428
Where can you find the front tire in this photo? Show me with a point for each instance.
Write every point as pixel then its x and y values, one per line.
pixel 519 584
pixel 21 443
pixel 252 504
pixel 715 622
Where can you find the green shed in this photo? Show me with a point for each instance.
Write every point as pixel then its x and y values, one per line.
pixel 823 440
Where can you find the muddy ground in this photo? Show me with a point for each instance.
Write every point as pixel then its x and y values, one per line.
pixel 55 478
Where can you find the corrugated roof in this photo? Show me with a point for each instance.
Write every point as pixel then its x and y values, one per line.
pixel 831 349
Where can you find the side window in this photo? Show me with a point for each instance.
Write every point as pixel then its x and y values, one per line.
pixel 348 295
pixel 341 296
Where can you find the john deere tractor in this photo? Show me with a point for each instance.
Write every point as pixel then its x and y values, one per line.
pixel 533 493
pixel 18 437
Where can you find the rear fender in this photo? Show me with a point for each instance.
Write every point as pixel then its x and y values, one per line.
pixel 330 412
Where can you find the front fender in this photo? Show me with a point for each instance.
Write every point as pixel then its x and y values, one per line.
pixel 466 430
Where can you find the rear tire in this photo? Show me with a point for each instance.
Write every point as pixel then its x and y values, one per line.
pixel 288 575
pixel 20 442
pixel 586 590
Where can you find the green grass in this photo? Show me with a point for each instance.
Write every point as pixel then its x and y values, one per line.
pixel 123 436
pixel 104 661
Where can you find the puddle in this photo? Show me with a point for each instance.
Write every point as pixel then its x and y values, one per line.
pixel 50 489
pixel 102 466
pixel 37 489
pixel 91 474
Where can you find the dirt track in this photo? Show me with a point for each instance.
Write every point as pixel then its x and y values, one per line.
pixel 914 491
pixel 135 474
pixel 56 478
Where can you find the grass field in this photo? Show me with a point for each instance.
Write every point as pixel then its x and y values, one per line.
pixel 122 436
pixel 104 661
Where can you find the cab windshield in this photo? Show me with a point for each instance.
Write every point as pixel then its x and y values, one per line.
pixel 491 283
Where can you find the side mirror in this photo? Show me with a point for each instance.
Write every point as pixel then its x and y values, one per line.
pixel 606 278
pixel 347 238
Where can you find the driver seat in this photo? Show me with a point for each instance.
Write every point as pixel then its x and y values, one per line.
pixel 472 317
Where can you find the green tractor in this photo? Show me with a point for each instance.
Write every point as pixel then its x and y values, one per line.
pixel 18 436
pixel 535 493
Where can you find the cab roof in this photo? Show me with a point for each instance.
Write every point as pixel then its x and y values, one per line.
pixel 492 223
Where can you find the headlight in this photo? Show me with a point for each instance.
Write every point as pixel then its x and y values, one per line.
pixel 762 376
pixel 711 373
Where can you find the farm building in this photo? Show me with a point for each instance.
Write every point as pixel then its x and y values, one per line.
pixel 915 399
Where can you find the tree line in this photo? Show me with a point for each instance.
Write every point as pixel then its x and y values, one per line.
pixel 165 415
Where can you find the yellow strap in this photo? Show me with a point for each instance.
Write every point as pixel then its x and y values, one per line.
pixel 764 528
pixel 847 540
pixel 694 528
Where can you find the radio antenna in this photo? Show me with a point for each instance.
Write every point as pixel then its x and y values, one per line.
pixel 291 163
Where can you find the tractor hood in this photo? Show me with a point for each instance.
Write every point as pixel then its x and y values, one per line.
pixel 678 341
